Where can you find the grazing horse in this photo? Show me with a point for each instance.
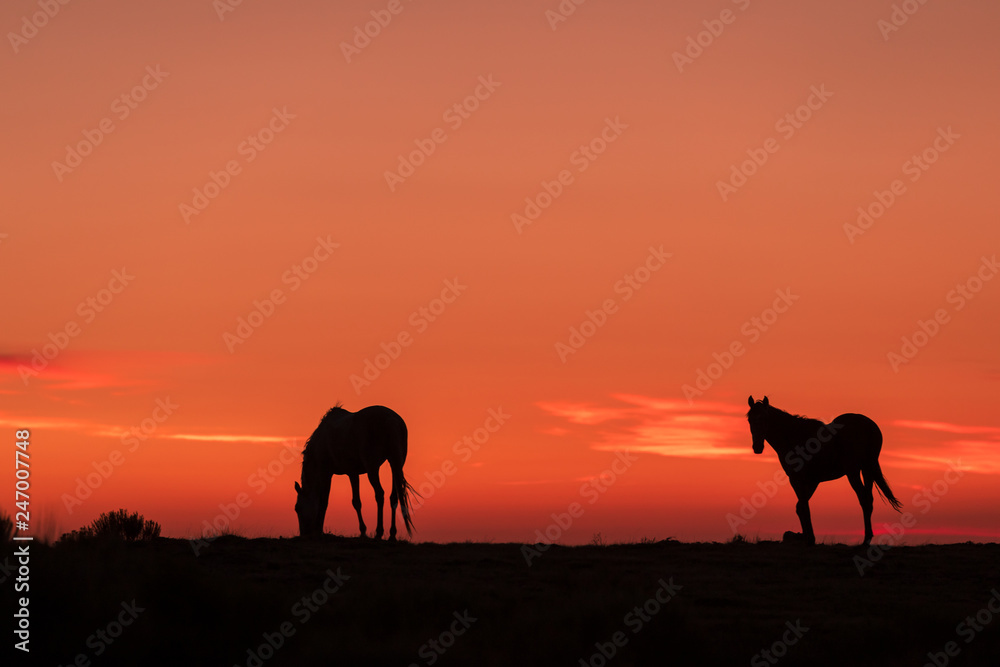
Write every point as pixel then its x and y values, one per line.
pixel 352 443
pixel 811 452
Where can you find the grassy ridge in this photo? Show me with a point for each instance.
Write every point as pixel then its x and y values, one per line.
pixel 734 600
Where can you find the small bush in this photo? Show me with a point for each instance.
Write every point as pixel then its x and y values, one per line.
pixel 6 528
pixel 117 525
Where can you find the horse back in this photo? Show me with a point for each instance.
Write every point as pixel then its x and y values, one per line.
pixel 381 420
pixel 858 426
pixel 371 436
pixel 848 443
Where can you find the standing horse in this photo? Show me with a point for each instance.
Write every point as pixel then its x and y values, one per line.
pixel 352 443
pixel 811 452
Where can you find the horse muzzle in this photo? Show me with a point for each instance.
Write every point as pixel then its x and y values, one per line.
pixel 758 448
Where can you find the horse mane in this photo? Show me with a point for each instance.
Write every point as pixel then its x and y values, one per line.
pixel 337 410
pixel 790 421
pixel 333 414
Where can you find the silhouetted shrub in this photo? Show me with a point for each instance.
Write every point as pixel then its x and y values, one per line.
pixel 6 528
pixel 117 525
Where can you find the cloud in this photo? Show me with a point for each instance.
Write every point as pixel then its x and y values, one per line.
pixel 51 423
pixel 583 413
pixel 939 444
pixel 947 428
pixel 260 439
pixel 79 370
pixel 666 427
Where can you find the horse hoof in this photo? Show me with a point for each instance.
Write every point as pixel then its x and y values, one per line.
pixel 789 536
pixel 392 538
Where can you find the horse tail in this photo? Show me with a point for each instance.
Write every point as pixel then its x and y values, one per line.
pixel 883 487
pixel 403 490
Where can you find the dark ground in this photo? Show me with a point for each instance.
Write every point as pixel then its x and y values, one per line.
pixel 734 602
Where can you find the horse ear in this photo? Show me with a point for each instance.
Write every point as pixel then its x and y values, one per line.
pixel 750 400
pixel 298 489
pixel 765 402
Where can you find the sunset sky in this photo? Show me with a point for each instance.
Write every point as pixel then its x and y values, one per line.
pixel 217 216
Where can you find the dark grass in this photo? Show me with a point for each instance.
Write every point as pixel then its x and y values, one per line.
pixel 735 601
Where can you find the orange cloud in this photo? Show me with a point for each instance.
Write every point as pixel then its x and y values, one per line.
pixel 661 426
pixel 264 439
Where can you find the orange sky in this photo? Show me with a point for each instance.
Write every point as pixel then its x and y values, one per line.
pixel 248 160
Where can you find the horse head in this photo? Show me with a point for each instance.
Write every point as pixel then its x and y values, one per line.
pixel 757 416
pixel 307 509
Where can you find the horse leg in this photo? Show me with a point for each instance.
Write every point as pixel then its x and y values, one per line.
pixel 804 491
pixel 394 501
pixel 356 501
pixel 379 498
pixel 864 493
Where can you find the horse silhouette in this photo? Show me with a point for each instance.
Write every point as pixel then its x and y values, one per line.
pixel 353 443
pixel 811 452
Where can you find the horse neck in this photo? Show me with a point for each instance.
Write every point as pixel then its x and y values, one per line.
pixel 317 481
pixel 315 470
pixel 323 446
pixel 785 431
pixel 334 442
